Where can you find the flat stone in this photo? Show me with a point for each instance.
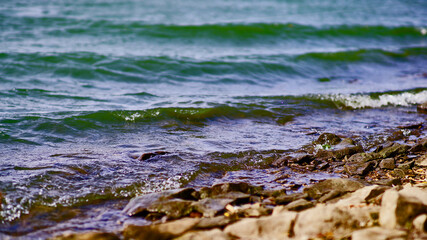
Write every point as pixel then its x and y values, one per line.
pixel 357 168
pixel 210 207
pixel 421 161
pixel 341 185
pixel 393 150
pixel 162 231
pixel 387 163
pixel 363 195
pixel 223 188
pixel 214 234
pixel 86 236
pixel 285 199
pixel 378 233
pixel 214 222
pixel 173 209
pixel 299 205
pixel 327 220
pixel 274 227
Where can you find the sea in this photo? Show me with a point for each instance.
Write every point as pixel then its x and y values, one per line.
pixel 215 89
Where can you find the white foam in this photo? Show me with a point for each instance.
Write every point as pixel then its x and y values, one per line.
pixel 365 101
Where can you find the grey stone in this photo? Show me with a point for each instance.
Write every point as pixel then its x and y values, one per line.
pixel 357 168
pixel 387 163
pixel 210 207
pixel 341 185
pixel 299 205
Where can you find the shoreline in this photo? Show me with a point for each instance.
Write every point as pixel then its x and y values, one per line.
pixel 381 194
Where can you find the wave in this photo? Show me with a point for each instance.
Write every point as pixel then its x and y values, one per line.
pixel 252 69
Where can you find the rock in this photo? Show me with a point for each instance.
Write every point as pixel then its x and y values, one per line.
pixel 377 233
pixel 338 184
pixel 359 168
pixel 214 222
pixel 399 208
pixel 389 182
pixel 271 227
pixel 363 157
pixel 285 199
pixel 299 205
pixel 387 163
pixel 345 148
pixel 331 220
pixel 224 188
pixel 330 195
pixel 86 236
pixel 214 234
pixel 362 195
pixel 422 108
pixel 162 231
pixel 328 138
pixel 249 210
pixel 421 145
pixel 185 194
pixel 407 165
pixel 141 204
pixel 299 158
pixel 210 207
pixel 173 209
pixel 411 125
pixel 146 156
pixel 420 223
pixel 421 161
pixel 393 150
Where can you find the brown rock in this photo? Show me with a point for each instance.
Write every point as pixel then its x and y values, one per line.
pixel 422 108
pixel 334 184
pixel 359 168
pixel 328 138
pixel 87 236
pixel 299 205
pixel 210 207
pixel 387 163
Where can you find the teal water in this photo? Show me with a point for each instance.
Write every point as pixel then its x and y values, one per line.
pixel 223 87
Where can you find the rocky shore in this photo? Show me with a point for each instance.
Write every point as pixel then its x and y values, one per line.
pixel 382 195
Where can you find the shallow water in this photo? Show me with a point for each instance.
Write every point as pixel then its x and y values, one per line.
pixel 224 87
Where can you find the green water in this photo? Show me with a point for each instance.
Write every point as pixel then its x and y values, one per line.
pixel 224 87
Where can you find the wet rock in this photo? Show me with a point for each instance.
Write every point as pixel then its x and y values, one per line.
pixel 338 184
pixel 413 125
pixel 238 197
pixel 162 231
pixel 210 207
pixel 173 209
pixel 377 233
pixel 87 236
pixel 285 199
pixel 420 223
pixel 144 204
pixel 214 234
pixel 389 182
pixel 345 148
pixel 399 208
pixel 299 205
pixel 422 108
pixel 387 163
pixel 299 158
pixel 407 165
pixel 146 156
pixel 328 139
pixel 271 227
pixel 421 161
pixel 393 150
pixel 186 194
pixel 359 168
pixel 421 145
pixel 363 157
pixel 224 188
pixel 327 220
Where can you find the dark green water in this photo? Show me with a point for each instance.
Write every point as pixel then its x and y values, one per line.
pixel 223 86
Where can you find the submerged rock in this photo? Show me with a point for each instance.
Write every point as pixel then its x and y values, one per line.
pixel 422 108
pixel 146 156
